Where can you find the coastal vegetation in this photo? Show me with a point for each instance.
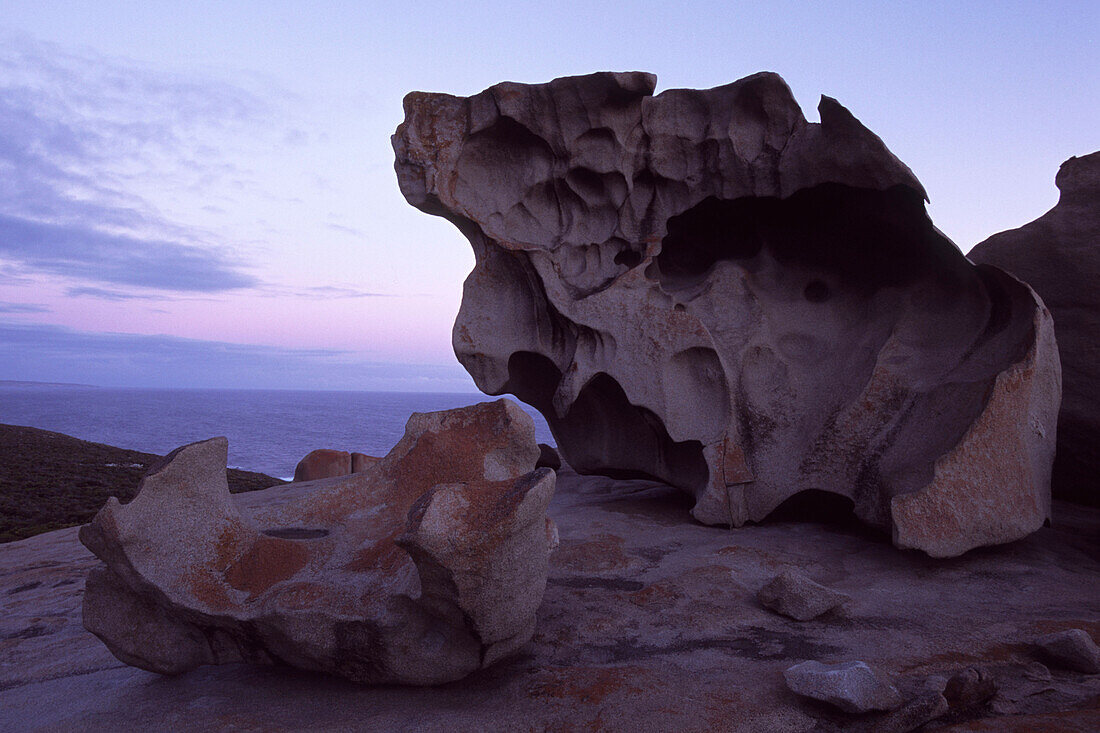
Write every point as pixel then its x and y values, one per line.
pixel 50 480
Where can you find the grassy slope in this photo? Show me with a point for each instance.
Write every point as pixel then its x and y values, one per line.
pixel 49 480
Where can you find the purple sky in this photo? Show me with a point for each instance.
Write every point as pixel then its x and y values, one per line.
pixel 202 194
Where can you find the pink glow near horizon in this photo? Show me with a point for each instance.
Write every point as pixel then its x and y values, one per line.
pixel 252 141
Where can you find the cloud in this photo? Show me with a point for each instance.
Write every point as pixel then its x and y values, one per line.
pixel 22 308
pixel 57 354
pixel 104 294
pixel 346 230
pixel 320 292
pixel 85 253
pixel 79 131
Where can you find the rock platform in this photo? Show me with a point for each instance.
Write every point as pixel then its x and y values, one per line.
pixel 649 622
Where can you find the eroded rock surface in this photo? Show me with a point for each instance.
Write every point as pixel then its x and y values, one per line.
pixel 1071 649
pixel 648 623
pixel 704 288
pixel 423 568
pixel 851 686
pixel 1058 254
pixel 323 463
pixel 796 596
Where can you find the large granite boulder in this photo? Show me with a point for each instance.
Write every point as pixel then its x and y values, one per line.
pixel 1058 255
pixel 704 288
pixel 425 567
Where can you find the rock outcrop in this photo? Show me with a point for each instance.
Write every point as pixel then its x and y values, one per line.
pixel 548 457
pixel 329 463
pixel 427 566
pixel 323 463
pixel 1071 649
pixel 1058 255
pixel 704 288
pixel 851 686
pixel 794 595
pixel 648 623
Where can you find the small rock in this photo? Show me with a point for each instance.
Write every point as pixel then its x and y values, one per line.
pixel 913 714
pixel 1071 649
pixel 323 463
pixel 548 457
pixel 796 596
pixel 970 687
pixel 851 686
pixel 361 462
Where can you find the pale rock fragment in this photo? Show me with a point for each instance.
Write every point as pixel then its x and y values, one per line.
pixel 851 686
pixel 793 594
pixel 1071 649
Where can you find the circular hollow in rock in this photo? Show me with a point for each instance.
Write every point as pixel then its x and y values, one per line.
pixel 295 533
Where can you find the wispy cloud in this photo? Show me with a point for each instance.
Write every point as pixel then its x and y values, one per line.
pixel 320 292
pixel 346 230
pixel 76 128
pixel 89 291
pixel 22 308
pixel 54 353
pixel 84 253
pixel 330 291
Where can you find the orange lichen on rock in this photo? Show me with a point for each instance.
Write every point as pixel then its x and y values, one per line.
pixel 421 569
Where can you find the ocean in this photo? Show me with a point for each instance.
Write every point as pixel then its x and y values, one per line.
pixel 269 430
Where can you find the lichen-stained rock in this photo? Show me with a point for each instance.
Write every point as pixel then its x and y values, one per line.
pixel 426 566
pixel 324 463
pixel 1058 255
pixel 704 288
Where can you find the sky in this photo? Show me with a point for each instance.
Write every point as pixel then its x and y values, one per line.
pixel 201 194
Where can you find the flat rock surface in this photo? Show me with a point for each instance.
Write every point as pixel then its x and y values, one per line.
pixel 649 622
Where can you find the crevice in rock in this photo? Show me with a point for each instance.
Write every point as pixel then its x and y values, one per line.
pixel 603 433
pixel 868 239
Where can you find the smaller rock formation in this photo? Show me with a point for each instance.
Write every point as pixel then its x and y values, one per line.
pixel 1071 649
pixel 361 462
pixel 794 595
pixel 548 457
pixel 328 463
pixel 323 463
pixel 423 568
pixel 851 686
pixel 913 714
pixel 972 686
pixel 1058 255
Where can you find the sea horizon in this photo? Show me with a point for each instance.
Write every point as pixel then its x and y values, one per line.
pixel 269 430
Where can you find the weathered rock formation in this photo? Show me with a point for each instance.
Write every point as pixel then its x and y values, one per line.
pixel 329 463
pixel 1071 649
pixel 1058 255
pixel 704 288
pixel 851 686
pixel 427 566
pixel 796 596
pixel 548 457
pixel 323 463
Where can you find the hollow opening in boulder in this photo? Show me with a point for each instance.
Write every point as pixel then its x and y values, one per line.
pixel 295 533
pixel 602 432
pixel 823 507
pixel 868 239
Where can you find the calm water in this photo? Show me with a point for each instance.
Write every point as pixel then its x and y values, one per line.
pixel 268 430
